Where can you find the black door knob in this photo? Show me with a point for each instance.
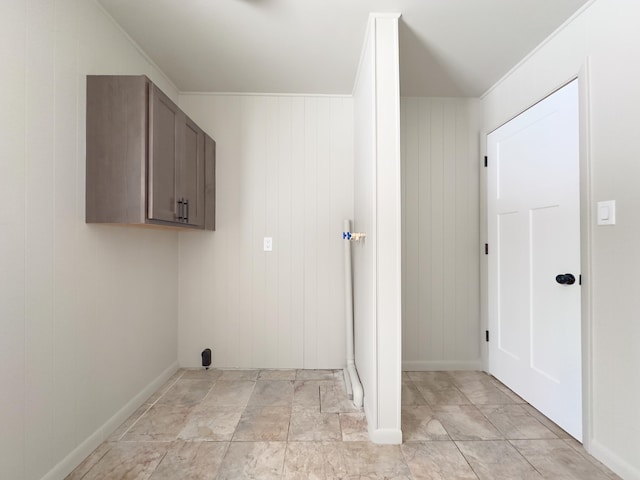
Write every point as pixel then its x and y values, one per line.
pixel 566 279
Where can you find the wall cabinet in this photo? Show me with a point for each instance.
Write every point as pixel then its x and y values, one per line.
pixel 148 163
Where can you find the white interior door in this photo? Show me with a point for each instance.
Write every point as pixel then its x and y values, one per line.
pixel 534 236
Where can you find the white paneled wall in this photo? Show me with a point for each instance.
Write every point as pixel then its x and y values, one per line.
pixel 603 44
pixel 87 313
pixel 284 170
pixel 376 259
pixel 440 232
pixel 364 252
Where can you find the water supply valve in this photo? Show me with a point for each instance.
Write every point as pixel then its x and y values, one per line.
pixel 353 237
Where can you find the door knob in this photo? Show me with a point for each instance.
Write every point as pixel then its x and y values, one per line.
pixel 566 279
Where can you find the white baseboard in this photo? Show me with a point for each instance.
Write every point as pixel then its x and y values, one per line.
pixel 386 436
pixel 613 461
pixel 82 451
pixel 381 436
pixel 441 365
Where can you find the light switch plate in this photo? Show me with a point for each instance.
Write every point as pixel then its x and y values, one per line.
pixel 607 212
pixel 268 244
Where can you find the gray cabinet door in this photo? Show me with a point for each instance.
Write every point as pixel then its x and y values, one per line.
pixel 210 183
pixel 116 149
pixel 147 162
pixel 165 125
pixel 191 174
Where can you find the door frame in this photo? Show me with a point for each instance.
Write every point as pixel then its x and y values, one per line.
pixel 586 229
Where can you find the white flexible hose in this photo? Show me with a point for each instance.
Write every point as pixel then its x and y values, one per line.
pixel 352 376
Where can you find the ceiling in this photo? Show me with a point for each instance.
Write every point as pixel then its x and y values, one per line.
pixel 447 47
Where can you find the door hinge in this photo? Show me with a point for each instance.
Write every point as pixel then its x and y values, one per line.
pixel 486 335
pixel 485 161
pixel 486 249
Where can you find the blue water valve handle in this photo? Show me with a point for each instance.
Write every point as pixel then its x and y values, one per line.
pixel 346 235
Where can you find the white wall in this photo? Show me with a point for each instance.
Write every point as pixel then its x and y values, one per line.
pixel 87 313
pixel 377 260
pixel 607 34
pixel 363 252
pixel 440 234
pixel 285 170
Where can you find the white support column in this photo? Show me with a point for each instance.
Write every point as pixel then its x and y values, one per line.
pixel 377 259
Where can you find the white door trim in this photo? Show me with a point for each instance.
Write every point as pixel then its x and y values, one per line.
pixel 586 229
pixel 585 244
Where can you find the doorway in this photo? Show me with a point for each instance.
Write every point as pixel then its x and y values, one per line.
pixel 533 215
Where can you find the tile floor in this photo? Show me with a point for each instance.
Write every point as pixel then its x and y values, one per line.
pixel 299 424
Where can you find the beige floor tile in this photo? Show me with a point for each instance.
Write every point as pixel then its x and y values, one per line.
pixel 211 423
pixel 461 377
pixel 304 461
pixel 191 461
pixel 436 461
pixel 447 396
pixel 128 461
pixel 186 392
pixel 88 463
pixel 514 422
pixel 333 399
pixel 211 374
pixel 277 375
pixel 354 427
pixel 128 423
pixel 263 424
pixel 420 424
pixel 186 433
pixel 411 395
pixel 466 422
pixel 235 375
pixel 253 461
pixel 161 423
pixel 484 393
pixel 229 392
pixel 554 459
pixel 513 396
pixel 165 386
pixel 364 460
pixel 309 426
pixel 507 391
pixel 432 380
pixel 272 392
pixel 339 377
pixel 577 446
pixel 306 394
pixel 497 460
pixel 559 432
pixel 315 375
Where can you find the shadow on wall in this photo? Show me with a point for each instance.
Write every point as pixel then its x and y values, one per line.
pixel 421 69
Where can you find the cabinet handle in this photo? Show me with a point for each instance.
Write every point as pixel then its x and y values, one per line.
pixel 179 214
pixel 186 216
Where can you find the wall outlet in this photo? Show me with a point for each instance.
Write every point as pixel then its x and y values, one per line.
pixel 268 244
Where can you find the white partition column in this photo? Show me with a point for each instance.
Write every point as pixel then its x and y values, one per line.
pixel 377 202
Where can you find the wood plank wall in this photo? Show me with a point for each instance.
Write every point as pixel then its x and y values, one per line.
pixel 441 244
pixel 284 170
